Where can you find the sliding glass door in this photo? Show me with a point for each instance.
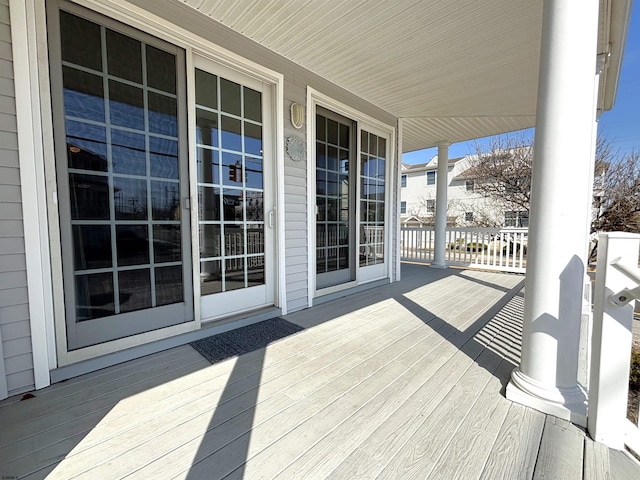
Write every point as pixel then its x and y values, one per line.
pixel 351 201
pixel 335 195
pixel 122 177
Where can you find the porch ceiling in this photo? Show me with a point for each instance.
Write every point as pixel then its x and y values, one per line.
pixel 453 70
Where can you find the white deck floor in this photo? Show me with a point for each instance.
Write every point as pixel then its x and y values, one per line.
pixel 402 381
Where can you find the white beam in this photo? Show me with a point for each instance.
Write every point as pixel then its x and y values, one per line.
pixel 547 378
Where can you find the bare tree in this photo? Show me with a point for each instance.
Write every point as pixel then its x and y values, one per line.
pixel 502 172
pixel 616 201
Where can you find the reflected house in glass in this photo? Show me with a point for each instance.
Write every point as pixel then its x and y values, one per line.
pixel 151 199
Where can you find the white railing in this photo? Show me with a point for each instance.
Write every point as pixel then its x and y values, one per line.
pixel 503 249
pixel 617 285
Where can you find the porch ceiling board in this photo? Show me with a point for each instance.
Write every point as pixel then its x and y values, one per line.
pixel 456 70
pixel 417 131
pixel 411 58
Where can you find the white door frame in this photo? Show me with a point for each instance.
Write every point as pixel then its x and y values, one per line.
pixel 316 99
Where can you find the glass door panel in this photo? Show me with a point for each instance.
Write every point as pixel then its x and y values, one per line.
pixel 121 176
pixel 334 200
pixel 372 174
pixel 232 176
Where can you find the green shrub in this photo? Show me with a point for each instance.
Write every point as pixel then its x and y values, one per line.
pixel 476 247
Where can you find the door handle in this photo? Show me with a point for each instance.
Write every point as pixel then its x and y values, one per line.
pixel 271 214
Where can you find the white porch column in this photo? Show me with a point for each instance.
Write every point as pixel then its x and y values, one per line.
pixel 442 182
pixel 547 376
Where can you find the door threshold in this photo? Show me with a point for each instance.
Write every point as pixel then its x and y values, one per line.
pixel 206 330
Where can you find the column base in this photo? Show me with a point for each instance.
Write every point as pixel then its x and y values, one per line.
pixel 438 265
pixel 566 403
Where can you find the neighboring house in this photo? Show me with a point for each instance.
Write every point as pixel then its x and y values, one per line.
pixel 465 206
pixel 171 169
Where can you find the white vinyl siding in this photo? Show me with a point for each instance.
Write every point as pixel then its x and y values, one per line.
pixel 16 365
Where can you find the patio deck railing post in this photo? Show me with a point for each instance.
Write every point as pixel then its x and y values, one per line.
pixel 547 377
pixel 611 342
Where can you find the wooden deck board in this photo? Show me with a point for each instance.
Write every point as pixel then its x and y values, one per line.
pixel 623 467
pixel 420 452
pixel 400 381
pixel 518 440
pixel 561 451
pixel 329 391
pixel 320 432
pixel 369 457
pixel 201 391
pixel 186 426
pixel 596 461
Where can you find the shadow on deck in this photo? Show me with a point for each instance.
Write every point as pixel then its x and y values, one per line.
pixel 401 381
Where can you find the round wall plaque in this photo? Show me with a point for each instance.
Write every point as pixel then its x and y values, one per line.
pixel 296 149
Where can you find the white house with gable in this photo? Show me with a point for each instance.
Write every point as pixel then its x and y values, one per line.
pixel 465 205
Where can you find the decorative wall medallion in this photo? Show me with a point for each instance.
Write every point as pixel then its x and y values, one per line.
pixel 296 149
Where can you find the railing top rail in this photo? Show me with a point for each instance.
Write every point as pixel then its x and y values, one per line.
pixel 620 235
pixel 469 229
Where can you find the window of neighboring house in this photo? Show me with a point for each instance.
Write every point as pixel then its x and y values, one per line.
pixel 468 216
pixel 431 178
pixel 431 206
pixel 518 219
pixel 403 181
pixel 515 185
pixel 403 208
pixel 469 185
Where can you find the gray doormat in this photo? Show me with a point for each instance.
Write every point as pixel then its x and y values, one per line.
pixel 245 339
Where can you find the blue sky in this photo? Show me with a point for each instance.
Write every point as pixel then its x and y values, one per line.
pixel 621 125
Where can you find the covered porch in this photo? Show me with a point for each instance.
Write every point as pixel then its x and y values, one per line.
pixel 405 380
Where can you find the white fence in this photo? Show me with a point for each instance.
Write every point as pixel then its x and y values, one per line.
pixel 617 285
pixel 502 249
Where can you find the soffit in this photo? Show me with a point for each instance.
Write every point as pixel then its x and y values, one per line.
pixel 454 70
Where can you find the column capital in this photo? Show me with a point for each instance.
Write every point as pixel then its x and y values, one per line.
pixel 443 143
